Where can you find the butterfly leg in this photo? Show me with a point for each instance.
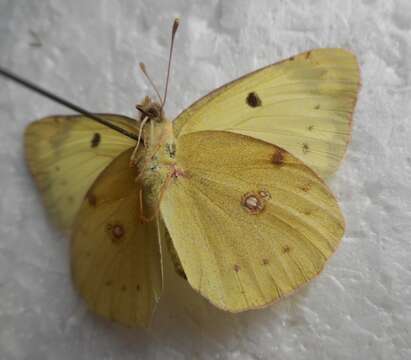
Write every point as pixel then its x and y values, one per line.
pixel 133 158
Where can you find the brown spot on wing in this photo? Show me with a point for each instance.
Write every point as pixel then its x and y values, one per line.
pixel 306 187
pixel 308 211
pixel 307 55
pixel 278 157
pixel 253 99
pixel 285 249
pixel 116 232
pixel 236 268
pixel 265 262
pixel 306 148
pixel 317 107
pixel 252 203
pixel 92 199
pixel 95 140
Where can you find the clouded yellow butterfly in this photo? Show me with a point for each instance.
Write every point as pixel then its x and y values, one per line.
pixel 234 183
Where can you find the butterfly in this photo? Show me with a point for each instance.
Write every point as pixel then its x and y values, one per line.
pixel 232 188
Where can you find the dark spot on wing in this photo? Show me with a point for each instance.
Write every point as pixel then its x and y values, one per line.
pixel 252 203
pixel 307 212
pixel 92 199
pixel 124 288
pixel 307 55
pixel 310 128
pixel 278 157
pixel 306 187
pixel 138 287
pixel 292 58
pixel 253 100
pixel 236 268
pixel 265 262
pixel 95 141
pixel 116 232
pixel 286 249
pixel 306 148
pixel 317 107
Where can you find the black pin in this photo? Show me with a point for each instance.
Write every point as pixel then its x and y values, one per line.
pixel 9 75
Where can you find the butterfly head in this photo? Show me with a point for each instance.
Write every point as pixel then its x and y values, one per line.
pixel 150 110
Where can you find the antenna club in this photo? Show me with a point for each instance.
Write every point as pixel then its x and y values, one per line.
pixel 175 25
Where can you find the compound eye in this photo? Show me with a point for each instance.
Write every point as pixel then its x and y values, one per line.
pixel 153 112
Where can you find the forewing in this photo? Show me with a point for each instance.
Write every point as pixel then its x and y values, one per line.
pixel 115 257
pixel 249 221
pixel 66 154
pixel 303 104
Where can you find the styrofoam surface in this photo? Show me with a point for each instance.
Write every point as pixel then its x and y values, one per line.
pixel 88 52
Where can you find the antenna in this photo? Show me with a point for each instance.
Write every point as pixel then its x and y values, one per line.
pixel 9 75
pixel 173 34
pixel 143 69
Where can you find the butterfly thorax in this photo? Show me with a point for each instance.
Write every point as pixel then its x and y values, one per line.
pixel 159 151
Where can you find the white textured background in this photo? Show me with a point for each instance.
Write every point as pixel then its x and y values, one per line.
pixel 88 51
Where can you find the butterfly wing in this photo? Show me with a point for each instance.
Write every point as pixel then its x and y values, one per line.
pixel 249 221
pixel 66 154
pixel 116 261
pixel 303 104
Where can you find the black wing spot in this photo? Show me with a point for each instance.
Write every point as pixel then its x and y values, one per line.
pixel 285 249
pixel 306 148
pixel 95 141
pixel 317 107
pixel 253 100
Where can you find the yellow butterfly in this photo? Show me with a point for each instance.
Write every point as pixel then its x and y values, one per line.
pixel 234 181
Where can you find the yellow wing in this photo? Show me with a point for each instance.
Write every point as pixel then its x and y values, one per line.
pixel 303 104
pixel 116 261
pixel 249 221
pixel 66 154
